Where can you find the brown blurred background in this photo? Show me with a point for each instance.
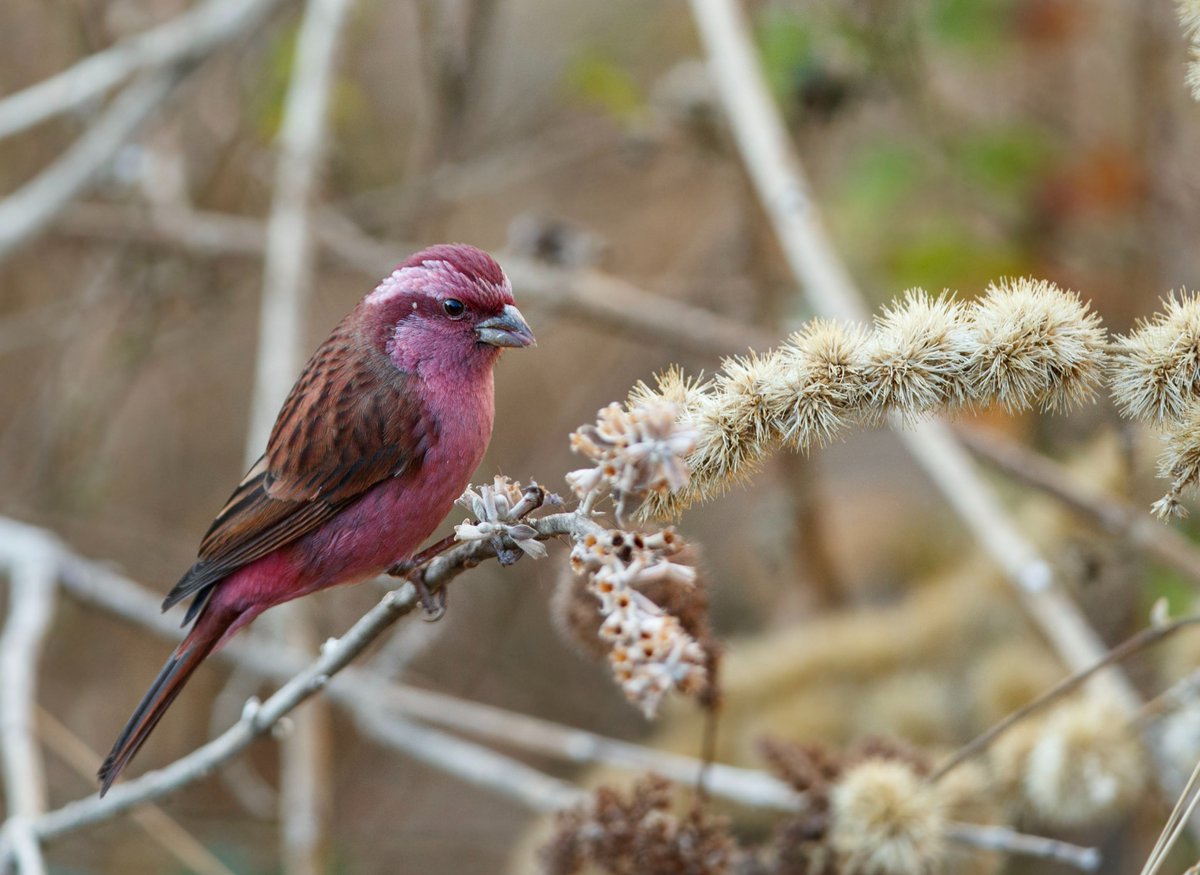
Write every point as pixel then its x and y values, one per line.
pixel 950 142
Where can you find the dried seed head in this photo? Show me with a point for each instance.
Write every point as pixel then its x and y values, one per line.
pixel 639 833
pixel 1009 676
pixel 819 385
pixel 918 356
pixel 497 508
pixel 649 649
pixel 1080 764
pixel 1180 462
pixel 885 820
pixel 634 452
pixel 1035 344
pixel 1156 369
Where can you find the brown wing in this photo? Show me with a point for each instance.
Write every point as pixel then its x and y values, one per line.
pixel 350 422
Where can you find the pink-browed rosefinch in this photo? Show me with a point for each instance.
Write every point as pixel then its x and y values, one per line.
pixel 377 439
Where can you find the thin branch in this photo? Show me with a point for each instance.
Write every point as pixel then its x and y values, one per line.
pixel 589 296
pixel 183 39
pixel 1163 543
pixel 370 697
pixel 30 610
pixel 1007 840
pixel 99 586
pixel 287 271
pixel 469 762
pixel 1125 649
pixel 160 827
pixel 287 285
pixel 31 607
pixel 256 721
pixel 30 209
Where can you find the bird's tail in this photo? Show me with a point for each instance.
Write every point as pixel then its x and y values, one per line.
pixel 199 643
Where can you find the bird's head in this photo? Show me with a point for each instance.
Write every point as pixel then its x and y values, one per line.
pixel 448 306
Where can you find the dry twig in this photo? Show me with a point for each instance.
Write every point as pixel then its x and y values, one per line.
pixel 287 284
pixel 31 208
pixel 180 40
pixel 31 607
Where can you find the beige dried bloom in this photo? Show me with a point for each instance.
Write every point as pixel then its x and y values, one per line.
pixel 1180 463
pixel 1034 344
pixel 886 820
pixel 635 452
pixel 1156 369
pixel 819 385
pixel 498 508
pixel 1082 763
pixel 650 652
pixel 918 355
pixel 1179 736
pixel 1025 342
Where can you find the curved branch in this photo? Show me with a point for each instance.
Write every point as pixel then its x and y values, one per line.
pixel 186 38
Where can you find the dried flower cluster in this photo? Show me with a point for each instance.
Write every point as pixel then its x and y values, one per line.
pixel 868 812
pixel 650 652
pixel 637 836
pixel 498 509
pixel 1024 343
pixel 1080 764
pixel 577 615
pixel 1156 377
pixel 634 452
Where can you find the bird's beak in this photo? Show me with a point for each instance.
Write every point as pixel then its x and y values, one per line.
pixel 508 329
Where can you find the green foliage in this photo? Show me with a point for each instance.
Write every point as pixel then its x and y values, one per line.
pixel 881 176
pixel 786 47
pixel 1003 162
pixel 599 81
pixel 970 25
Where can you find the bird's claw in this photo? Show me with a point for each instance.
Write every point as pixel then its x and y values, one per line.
pixel 432 603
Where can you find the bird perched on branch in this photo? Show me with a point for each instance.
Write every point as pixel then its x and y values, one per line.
pixel 377 439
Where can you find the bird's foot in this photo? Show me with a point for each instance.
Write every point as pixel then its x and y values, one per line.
pixel 432 603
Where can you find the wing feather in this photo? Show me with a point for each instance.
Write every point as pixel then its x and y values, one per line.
pixel 350 422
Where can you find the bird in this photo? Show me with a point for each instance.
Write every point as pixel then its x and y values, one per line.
pixel 377 439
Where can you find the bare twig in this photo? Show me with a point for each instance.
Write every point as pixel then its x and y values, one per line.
pixel 159 826
pixel 287 272
pixel 469 762
pixel 370 699
pixel 1125 649
pixel 287 284
pixel 186 38
pixel 255 721
pixel 31 607
pixel 1009 841
pixel 99 586
pixel 591 295
pixel 27 211
pixel 1163 543
pixel 587 295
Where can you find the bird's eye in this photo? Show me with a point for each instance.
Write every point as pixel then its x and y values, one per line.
pixel 454 308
